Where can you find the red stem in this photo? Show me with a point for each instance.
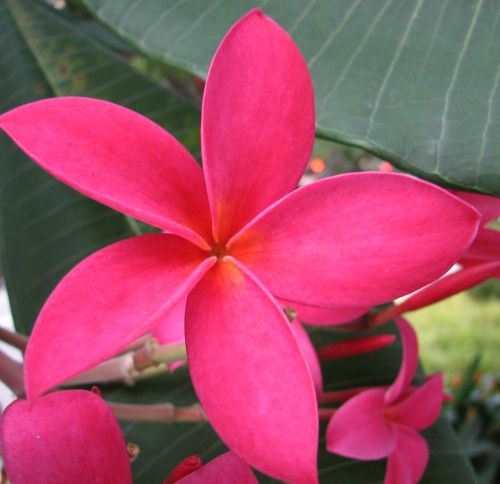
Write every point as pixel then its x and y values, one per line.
pixel 11 373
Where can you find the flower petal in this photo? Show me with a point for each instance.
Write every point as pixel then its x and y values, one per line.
pixel 358 428
pixel 407 463
pixel 257 121
pixel 488 207
pixel 228 468
pixel 443 288
pixel 108 301
pixel 409 363
pixel 117 157
pixel 310 355
pixel 319 316
pixel 250 375
pixel 486 245
pixel 62 437
pixel 170 328
pixel 354 240
pixel 422 407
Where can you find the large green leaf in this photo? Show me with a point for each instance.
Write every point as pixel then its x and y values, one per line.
pixel 415 82
pixel 46 227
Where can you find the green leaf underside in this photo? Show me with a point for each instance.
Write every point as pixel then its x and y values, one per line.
pixel 416 82
pixel 46 228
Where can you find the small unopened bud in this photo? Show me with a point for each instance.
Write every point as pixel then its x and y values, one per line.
pixel 95 389
pixel 133 451
pixel 291 314
pixel 186 467
pixel 355 346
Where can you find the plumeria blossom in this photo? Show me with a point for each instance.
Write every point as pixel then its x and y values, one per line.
pixel 379 423
pixel 237 236
pixel 66 436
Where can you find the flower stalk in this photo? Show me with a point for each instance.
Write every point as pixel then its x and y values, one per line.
pixel 11 373
pixel 160 412
pixel 12 338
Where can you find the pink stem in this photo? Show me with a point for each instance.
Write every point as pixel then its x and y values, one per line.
pixel 160 412
pixel 17 340
pixel 11 373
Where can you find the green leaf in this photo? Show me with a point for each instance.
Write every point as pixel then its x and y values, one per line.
pixel 415 82
pixel 45 227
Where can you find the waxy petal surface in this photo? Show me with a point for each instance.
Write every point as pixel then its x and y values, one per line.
pixel 228 468
pixel 63 437
pixel 319 316
pixel 108 301
pixel 358 239
pixel 257 121
pixel 117 157
pixel 358 428
pixel 250 374
pixel 422 407
pixel 409 363
pixel 407 463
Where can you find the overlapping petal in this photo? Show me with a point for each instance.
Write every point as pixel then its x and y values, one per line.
pixel 228 468
pixel 117 157
pixel 63 437
pixel 422 407
pixel 319 316
pixel 310 355
pixel 170 328
pixel 108 301
pixel 486 246
pixel 257 121
pixel 307 246
pixel 409 361
pixel 443 288
pixel 359 430
pixel 488 207
pixel 407 463
pixel 250 375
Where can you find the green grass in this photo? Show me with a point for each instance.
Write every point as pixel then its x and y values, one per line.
pixel 453 331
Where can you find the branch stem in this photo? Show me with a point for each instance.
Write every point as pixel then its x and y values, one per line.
pixel 17 340
pixel 159 412
pixel 11 373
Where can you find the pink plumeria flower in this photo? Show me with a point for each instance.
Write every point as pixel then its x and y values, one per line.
pixel 228 468
pixel 63 437
pixel 380 423
pixel 237 236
